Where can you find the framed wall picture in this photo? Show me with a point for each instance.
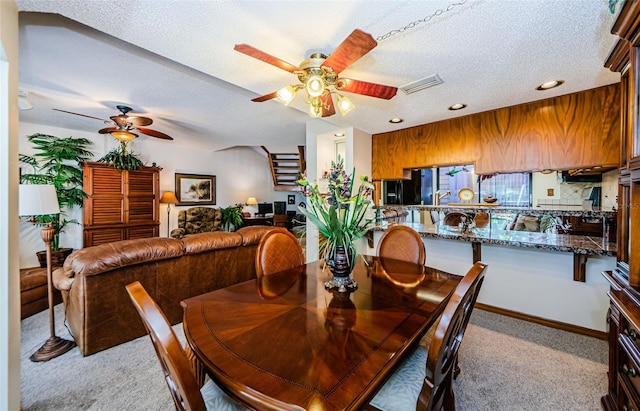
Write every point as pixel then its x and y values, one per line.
pixel 291 199
pixel 195 189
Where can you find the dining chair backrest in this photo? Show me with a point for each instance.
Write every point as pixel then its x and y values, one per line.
pixel 278 250
pixel 175 364
pixel 402 242
pixel 454 218
pixel 437 389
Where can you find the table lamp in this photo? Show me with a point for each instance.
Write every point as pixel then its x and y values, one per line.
pixel 168 197
pixel 35 200
pixel 252 201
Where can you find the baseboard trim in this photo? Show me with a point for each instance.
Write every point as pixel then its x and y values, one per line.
pixel 543 321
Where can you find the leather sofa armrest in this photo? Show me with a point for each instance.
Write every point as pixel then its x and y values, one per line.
pixel 63 278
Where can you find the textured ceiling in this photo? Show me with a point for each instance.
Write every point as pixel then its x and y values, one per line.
pixel 174 61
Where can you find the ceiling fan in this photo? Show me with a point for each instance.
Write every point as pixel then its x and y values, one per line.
pixel 319 76
pixel 124 124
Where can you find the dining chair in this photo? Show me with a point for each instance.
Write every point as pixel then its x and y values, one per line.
pixel 482 220
pixel 176 367
pixel 424 381
pixel 278 250
pixel 454 218
pixel 402 242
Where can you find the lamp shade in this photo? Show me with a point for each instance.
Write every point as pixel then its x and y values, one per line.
pixel 344 105
pixel 286 94
pixel 123 135
pixel 37 199
pixel 168 197
pixel 252 201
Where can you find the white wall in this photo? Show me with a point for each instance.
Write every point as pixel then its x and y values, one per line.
pixel 9 278
pixel 241 172
pixel 320 144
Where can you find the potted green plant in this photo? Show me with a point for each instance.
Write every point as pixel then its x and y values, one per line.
pixel 340 215
pixel 121 159
pixel 232 217
pixel 57 161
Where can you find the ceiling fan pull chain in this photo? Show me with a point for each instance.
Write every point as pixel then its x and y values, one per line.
pixel 411 25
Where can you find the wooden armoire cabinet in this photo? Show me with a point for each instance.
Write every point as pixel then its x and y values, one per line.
pixel 624 312
pixel 121 205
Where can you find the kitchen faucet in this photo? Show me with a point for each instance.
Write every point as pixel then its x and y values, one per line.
pixel 439 196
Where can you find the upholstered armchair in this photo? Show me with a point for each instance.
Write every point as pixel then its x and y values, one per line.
pixel 196 220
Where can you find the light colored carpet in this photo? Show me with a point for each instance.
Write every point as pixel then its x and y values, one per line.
pixel 507 364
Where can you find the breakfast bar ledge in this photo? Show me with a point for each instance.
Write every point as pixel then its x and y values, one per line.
pixel 581 246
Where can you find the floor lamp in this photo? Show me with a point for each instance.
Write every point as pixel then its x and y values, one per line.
pixel 168 198
pixel 35 200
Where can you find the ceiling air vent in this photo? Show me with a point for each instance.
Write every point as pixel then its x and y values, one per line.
pixel 421 84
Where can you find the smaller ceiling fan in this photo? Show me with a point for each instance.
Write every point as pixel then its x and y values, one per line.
pixel 319 75
pixel 124 125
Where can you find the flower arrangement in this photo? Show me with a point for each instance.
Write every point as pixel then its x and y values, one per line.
pixel 339 215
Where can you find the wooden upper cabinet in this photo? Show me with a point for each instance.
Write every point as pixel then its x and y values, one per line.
pixel 435 144
pixel 571 131
pixel 120 204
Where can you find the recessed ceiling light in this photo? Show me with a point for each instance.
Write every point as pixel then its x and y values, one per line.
pixel 457 106
pixel 396 120
pixel 339 134
pixel 550 84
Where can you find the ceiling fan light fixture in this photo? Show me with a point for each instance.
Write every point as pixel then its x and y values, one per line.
pixel 287 94
pixel 123 135
pixel 344 104
pixel 315 86
pixel 315 108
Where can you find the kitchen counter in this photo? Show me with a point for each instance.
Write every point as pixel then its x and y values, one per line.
pixel 581 246
pixel 489 208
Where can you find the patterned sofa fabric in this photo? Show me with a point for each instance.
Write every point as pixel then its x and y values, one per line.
pixel 197 220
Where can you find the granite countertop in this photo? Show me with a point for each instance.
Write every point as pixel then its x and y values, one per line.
pixel 579 244
pixel 500 209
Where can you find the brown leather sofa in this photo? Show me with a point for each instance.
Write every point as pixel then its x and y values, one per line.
pixel 98 311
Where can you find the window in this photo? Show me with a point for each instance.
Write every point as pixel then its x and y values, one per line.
pixel 511 189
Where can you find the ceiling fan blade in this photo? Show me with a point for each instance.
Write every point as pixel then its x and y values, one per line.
pixel 351 49
pixel 107 130
pixel 83 115
pixel 265 97
pixel 328 109
pixel 122 119
pixel 366 89
pixel 154 133
pixel 267 58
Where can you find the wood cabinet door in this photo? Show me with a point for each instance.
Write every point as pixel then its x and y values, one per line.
pixel 142 200
pixel 103 236
pixel 105 202
pixel 120 205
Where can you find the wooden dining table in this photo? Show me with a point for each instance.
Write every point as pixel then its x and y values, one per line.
pixel 285 342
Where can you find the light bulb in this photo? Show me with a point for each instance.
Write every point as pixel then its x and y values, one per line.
pixel 286 94
pixel 315 86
